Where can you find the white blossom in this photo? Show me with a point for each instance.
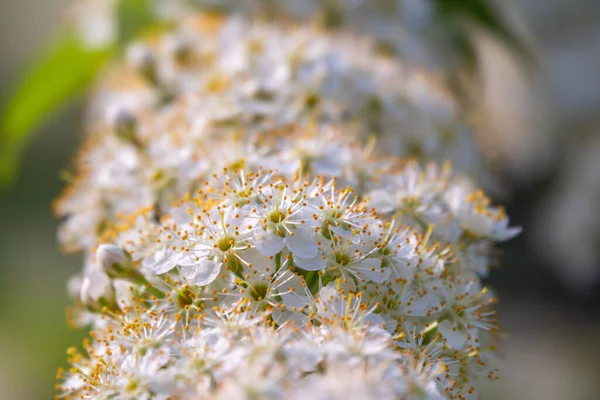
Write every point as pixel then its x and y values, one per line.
pixel 252 230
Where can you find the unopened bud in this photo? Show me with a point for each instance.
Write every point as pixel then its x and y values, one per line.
pixel 123 293
pixel 113 260
pixel 97 291
pixel 142 60
pixel 123 122
pixel 180 49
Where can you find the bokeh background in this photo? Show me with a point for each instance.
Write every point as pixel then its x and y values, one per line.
pixel 539 127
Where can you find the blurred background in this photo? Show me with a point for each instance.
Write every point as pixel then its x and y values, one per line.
pixel 539 127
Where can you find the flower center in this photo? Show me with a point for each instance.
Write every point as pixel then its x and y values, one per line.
pixel 259 291
pixel 225 243
pixel 185 298
pixel 277 216
pixel 336 213
pixel 237 165
pixel 342 259
pixel 235 265
pixel 132 386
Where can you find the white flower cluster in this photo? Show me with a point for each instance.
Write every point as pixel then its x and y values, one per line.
pixel 143 355
pixel 163 119
pixel 408 28
pixel 246 238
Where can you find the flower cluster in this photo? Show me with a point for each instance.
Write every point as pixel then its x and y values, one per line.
pixel 142 355
pixel 264 258
pixel 250 231
pixel 407 28
pixel 215 91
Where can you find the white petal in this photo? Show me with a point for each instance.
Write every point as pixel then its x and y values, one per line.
pixel 292 300
pixel 455 337
pixel 181 216
pixel 382 201
pixel 418 307
pixel 298 319
pixel 303 357
pixel 206 272
pixel 267 243
pixel 306 215
pixel 326 166
pixel 474 222
pixel 259 262
pixel 340 231
pixel 506 234
pixel 123 293
pixel 312 264
pixel 302 244
pixel 161 262
pixel 95 286
pixel 164 381
pixel 187 271
pixel 473 335
pixel 375 320
pixel 328 292
pixel 378 342
pixel 371 269
pixel 192 257
pixel 297 297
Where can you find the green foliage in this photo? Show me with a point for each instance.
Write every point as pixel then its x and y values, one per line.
pixel 133 17
pixel 481 14
pixel 63 71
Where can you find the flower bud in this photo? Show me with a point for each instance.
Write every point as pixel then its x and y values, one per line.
pixel 123 293
pixel 123 122
pixel 180 49
pixel 142 60
pixel 97 291
pixel 113 260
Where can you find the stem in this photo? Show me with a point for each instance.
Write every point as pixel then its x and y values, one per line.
pixel 141 280
pixel 311 279
pixel 277 261
pixel 430 333
pixel 428 233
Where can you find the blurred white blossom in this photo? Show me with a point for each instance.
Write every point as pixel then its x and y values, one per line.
pixel 252 229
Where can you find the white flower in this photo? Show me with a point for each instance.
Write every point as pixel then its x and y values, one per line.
pixel 97 290
pixel 282 218
pixel 414 193
pixel 474 215
pixel 334 307
pixel 468 311
pixel 214 238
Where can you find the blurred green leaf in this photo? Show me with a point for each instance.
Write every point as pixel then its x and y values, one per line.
pixel 483 14
pixel 133 17
pixel 64 69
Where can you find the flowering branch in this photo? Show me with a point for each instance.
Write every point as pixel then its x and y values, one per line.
pixel 253 228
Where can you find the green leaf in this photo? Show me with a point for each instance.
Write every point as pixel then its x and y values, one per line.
pixel 64 70
pixel 133 17
pixel 483 14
